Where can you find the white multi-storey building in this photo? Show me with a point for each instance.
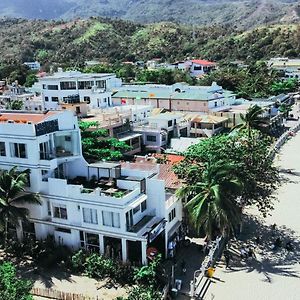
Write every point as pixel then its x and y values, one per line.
pixel 116 209
pixel 76 87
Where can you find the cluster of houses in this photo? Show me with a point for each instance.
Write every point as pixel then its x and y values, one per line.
pixel 120 209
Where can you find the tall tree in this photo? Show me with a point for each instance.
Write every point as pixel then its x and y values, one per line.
pixel 97 145
pixel 211 199
pixel 251 120
pixel 12 195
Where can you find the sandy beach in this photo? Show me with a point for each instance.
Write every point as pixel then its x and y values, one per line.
pixel 273 275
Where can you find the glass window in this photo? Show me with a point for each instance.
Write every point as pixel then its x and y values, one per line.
pixel 68 85
pixel 2 149
pixel 172 214
pixel 111 219
pixel 54 99
pixel 47 99
pixel 170 123
pixel 53 87
pixel 101 84
pixel 19 150
pixel 85 85
pixel 90 215
pixel 151 138
pixel 144 205
pixel 60 212
pixel 136 209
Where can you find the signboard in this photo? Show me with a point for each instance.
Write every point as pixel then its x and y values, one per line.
pixel 156 231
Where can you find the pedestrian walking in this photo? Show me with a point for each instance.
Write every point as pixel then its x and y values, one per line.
pixel 227 256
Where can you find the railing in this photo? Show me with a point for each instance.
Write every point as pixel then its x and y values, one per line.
pixel 283 138
pixel 54 294
pixel 209 261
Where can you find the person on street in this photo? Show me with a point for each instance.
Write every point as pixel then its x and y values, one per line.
pixel 227 256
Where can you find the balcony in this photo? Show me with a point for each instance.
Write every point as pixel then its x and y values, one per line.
pixel 105 193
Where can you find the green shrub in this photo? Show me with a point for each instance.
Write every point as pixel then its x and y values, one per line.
pixel 12 288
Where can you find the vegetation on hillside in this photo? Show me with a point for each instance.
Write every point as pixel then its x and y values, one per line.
pixel 72 43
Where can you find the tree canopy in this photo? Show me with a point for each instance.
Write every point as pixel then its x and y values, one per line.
pixel 97 145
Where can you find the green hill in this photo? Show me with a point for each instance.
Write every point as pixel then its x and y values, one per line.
pixel 74 42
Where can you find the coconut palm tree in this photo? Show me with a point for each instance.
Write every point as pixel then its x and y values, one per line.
pixel 211 201
pixel 12 195
pixel 251 120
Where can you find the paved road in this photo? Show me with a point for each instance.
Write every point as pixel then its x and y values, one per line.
pixel 274 275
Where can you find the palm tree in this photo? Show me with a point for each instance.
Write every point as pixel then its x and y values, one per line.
pixel 12 195
pixel 211 201
pixel 251 120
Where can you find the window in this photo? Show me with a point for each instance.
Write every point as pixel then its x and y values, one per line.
pixel 170 123
pixel 216 103
pixel 44 150
pixel 60 229
pixel 105 100
pixel 101 84
pixel 47 99
pixel 85 85
pixel 136 209
pixel 151 138
pixel 197 68
pixel 2 149
pixel 54 99
pixel 53 87
pixel 44 175
pixel 60 212
pixel 68 85
pixel 48 207
pixel 144 205
pixel 89 241
pixel 172 214
pixel 19 150
pixel 90 215
pixel 111 219
pixel 44 86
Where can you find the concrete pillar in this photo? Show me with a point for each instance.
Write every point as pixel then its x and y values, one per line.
pixel 124 250
pixel 144 254
pixel 101 244
pixel 19 231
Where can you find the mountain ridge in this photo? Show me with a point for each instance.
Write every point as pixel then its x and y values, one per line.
pixel 241 13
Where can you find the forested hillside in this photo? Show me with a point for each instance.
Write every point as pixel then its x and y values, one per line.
pixel 72 43
pixel 241 13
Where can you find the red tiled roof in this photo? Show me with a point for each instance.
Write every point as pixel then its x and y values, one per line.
pixel 171 158
pixel 203 62
pixel 167 174
pixel 25 117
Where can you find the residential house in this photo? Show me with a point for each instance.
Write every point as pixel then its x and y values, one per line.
pixel 176 97
pixel 119 210
pixel 207 125
pixel 33 65
pixel 199 67
pixel 75 87
pixel 161 128
pixel 290 68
